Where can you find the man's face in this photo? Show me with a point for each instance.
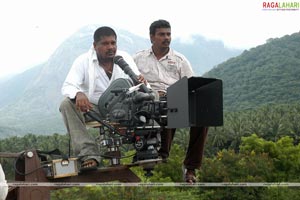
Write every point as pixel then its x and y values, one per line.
pixel 106 47
pixel 161 38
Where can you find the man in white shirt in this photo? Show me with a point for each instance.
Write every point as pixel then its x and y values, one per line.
pixel 89 76
pixel 162 67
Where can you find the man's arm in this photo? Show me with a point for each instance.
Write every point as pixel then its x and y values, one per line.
pixel 74 80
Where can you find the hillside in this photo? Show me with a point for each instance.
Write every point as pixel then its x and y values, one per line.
pixel 266 74
pixel 29 101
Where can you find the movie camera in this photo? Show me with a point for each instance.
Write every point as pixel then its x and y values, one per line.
pixel 131 113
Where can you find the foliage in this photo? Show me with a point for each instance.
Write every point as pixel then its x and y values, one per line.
pixel 259 145
pixel 258 160
pixel 266 74
pixel 270 122
pixel 284 154
pixel 132 193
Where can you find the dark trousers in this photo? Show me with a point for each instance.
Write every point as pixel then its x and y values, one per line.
pixel 195 151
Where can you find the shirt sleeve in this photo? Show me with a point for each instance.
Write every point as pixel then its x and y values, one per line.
pixel 74 79
pixel 186 69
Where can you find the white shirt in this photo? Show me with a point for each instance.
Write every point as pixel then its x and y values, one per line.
pixel 3 185
pixel 164 72
pixel 88 77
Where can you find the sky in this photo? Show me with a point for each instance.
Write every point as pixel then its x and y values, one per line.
pixel 31 30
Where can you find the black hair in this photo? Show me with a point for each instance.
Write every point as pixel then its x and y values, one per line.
pixel 103 31
pixel 161 23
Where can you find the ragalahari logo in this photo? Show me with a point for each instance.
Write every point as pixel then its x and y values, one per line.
pixel 281 6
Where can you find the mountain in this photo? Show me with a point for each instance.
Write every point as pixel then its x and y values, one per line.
pixel 204 54
pixel 266 74
pixel 29 102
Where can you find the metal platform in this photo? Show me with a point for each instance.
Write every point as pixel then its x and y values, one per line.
pixel 29 169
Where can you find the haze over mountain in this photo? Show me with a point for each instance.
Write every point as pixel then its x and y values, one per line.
pixel 266 74
pixel 29 101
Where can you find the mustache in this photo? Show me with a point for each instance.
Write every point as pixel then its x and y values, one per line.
pixel 166 42
pixel 109 52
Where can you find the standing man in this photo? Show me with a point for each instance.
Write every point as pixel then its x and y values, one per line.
pixel 89 76
pixel 162 66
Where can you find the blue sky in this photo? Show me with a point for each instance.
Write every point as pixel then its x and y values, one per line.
pixel 31 30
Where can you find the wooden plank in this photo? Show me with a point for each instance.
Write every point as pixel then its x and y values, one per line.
pixel 9 155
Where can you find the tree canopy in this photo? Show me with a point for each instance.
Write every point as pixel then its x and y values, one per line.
pixel 266 74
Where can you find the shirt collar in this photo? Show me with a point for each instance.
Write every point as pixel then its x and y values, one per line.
pixel 93 54
pixel 167 56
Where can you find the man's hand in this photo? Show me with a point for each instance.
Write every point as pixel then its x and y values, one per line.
pixel 82 102
pixel 142 79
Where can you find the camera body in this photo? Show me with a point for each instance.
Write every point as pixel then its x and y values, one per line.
pixel 138 117
pixel 133 117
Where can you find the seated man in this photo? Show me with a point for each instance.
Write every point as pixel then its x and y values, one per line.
pixel 89 76
pixel 162 67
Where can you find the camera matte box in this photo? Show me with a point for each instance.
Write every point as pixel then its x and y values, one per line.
pixel 195 102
